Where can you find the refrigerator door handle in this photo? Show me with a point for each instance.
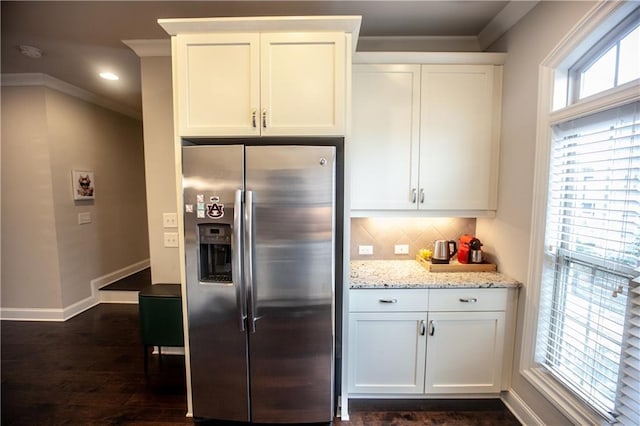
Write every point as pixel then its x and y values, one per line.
pixel 237 259
pixel 248 251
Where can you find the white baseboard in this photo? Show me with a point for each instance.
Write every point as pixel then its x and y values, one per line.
pixel 114 276
pixel 520 409
pixel 31 314
pixel 45 314
pixel 63 314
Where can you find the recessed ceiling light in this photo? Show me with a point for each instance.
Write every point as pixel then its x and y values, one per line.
pixel 30 51
pixel 109 76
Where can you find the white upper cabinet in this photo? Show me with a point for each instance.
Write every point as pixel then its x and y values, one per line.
pixel 269 84
pixel 219 84
pixel 458 137
pixel 302 83
pixel 385 136
pixel 425 138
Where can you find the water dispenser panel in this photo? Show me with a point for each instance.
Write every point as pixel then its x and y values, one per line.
pixel 215 252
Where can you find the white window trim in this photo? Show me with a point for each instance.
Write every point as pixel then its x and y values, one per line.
pixel 600 19
pixel 593 54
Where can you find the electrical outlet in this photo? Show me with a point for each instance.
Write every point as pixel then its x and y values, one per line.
pixel 169 220
pixel 365 250
pixel 401 249
pixel 171 239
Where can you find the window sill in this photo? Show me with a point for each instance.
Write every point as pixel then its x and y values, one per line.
pixel 575 410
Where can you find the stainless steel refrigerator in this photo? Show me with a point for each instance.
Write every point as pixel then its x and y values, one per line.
pixel 260 244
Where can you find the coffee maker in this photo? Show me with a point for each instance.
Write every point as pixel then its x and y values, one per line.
pixel 469 249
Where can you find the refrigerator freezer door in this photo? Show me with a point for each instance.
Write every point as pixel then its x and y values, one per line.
pixel 213 181
pixel 291 347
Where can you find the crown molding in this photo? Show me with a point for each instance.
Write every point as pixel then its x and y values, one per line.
pixel 45 80
pixel 346 23
pixel 418 44
pixel 144 48
pixel 503 21
pixel 476 58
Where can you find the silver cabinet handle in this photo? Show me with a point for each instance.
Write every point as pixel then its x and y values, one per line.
pixel 423 327
pixel 468 300
pixel 421 195
pixel 253 118
pixel 414 195
pixel 264 118
pixel 388 300
pixel 432 328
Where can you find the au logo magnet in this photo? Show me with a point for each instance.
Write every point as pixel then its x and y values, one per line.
pixel 215 210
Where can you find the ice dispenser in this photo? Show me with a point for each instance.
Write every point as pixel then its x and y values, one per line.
pixel 215 252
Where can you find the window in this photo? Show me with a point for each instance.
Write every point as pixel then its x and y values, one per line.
pixel 582 326
pixel 612 62
pixel 592 247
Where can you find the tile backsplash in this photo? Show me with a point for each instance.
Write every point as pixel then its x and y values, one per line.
pixel 384 233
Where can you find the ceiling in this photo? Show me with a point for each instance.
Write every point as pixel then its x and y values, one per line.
pixel 81 38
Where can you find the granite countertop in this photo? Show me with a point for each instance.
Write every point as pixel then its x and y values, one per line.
pixel 410 274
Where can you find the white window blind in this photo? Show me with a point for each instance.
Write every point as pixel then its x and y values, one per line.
pixel 628 398
pixel 589 322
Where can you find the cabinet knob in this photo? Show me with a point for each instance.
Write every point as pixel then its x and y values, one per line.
pixel 264 118
pixel 414 195
pixel 423 327
pixel 253 118
pixel 388 300
pixel 421 195
pixel 432 328
pixel 468 300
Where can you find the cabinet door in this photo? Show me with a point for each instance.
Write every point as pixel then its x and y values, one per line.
pixel 464 352
pixel 459 137
pixel 218 79
pixel 385 137
pixel 386 352
pixel 303 83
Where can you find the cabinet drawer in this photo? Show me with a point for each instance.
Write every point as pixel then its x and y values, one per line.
pixel 365 300
pixel 468 299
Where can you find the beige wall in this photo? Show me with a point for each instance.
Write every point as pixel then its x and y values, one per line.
pixel 527 45
pixel 30 268
pixel 159 151
pixel 43 139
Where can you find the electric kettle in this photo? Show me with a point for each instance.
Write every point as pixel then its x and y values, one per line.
pixel 443 250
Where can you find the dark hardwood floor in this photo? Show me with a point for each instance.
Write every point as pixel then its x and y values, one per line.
pixel 435 412
pixel 134 282
pixel 89 371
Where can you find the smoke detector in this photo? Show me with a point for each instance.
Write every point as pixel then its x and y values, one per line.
pixel 30 51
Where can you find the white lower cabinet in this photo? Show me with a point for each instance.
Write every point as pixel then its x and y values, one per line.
pixel 426 341
pixel 387 352
pixel 464 352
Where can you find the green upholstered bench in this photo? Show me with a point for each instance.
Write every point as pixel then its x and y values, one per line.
pixel 160 307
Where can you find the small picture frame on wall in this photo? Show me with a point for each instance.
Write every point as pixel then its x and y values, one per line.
pixel 83 185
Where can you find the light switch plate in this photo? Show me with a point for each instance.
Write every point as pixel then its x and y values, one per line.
pixel 401 249
pixel 365 250
pixel 171 239
pixel 169 220
pixel 84 218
